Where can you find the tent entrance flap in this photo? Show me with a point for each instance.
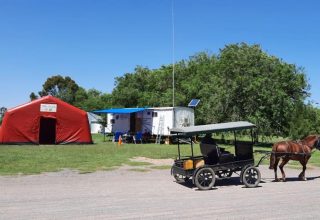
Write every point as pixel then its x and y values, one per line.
pixel 47 131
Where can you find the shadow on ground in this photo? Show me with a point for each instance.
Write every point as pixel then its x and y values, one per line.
pixel 294 179
pixel 231 181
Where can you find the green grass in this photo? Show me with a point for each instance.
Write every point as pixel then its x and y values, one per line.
pixel 33 159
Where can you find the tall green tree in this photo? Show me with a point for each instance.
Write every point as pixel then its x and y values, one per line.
pixel 242 82
pixel 33 96
pixel 253 85
pixel 92 100
pixel 305 120
pixel 61 87
pixel 69 91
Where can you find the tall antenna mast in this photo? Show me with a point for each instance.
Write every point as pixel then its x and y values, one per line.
pixel 172 19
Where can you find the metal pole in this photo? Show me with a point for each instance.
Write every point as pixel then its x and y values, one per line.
pixel 172 16
pixel 194 115
pixel 191 147
pixel 179 147
pixel 193 165
pixel 251 131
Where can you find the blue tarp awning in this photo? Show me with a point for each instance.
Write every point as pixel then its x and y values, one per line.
pixel 119 110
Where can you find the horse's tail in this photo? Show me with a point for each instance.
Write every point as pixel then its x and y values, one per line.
pixel 273 156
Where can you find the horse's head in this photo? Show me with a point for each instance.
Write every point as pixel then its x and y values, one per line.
pixel 317 144
pixel 312 141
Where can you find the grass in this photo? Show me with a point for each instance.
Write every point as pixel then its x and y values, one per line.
pixel 34 159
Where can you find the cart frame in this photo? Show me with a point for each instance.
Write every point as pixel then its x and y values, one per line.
pixel 204 176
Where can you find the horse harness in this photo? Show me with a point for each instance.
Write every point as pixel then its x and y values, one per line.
pixel 299 142
pixel 287 154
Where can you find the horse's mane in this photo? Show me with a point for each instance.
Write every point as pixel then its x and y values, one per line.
pixel 310 138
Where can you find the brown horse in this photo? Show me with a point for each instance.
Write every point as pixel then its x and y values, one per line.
pixel 293 150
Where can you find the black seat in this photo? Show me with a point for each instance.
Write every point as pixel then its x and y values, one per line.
pixel 213 155
pixel 244 150
pixel 226 157
pixel 210 153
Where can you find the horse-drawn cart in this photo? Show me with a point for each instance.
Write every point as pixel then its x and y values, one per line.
pixel 214 160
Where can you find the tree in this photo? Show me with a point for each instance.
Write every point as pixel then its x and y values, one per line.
pixel 92 100
pixel 242 82
pixel 69 91
pixel 33 96
pixel 61 87
pixel 305 120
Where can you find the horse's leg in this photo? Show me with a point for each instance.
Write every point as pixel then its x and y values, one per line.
pixel 284 162
pixel 276 161
pixel 303 162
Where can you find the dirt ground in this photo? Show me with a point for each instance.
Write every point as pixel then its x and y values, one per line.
pixel 127 193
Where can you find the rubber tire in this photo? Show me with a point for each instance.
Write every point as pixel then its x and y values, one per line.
pixel 208 174
pixel 224 173
pixel 242 171
pixel 251 177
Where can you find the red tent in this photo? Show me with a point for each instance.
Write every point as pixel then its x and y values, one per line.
pixel 47 120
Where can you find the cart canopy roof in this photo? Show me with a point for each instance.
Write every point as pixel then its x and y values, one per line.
pixel 211 128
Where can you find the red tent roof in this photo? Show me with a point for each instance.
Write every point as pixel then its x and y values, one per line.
pixel 47 120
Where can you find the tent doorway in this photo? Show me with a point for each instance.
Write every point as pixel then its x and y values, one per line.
pixel 47 131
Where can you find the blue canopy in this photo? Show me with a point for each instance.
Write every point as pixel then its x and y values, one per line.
pixel 119 110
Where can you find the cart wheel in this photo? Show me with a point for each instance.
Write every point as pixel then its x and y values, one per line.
pixel 180 178
pixel 205 178
pixel 251 177
pixel 224 173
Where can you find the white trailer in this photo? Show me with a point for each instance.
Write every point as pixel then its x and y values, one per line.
pixel 95 127
pixel 156 121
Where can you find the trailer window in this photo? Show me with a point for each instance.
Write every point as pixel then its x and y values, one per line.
pixel 154 114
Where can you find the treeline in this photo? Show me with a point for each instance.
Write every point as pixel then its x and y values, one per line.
pixel 241 82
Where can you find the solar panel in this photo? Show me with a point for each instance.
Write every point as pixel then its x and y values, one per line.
pixel 194 103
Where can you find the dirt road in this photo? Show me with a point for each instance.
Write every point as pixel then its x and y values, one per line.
pixel 123 194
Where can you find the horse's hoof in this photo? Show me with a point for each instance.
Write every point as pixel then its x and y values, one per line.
pixel 276 180
pixel 303 179
pixel 282 179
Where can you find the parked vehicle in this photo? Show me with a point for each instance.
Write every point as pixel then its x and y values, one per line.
pixel 214 160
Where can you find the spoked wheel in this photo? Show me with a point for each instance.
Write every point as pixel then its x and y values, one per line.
pixel 205 178
pixel 251 177
pixel 224 173
pixel 180 178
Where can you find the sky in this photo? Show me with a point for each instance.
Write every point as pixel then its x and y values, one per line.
pixel 94 41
